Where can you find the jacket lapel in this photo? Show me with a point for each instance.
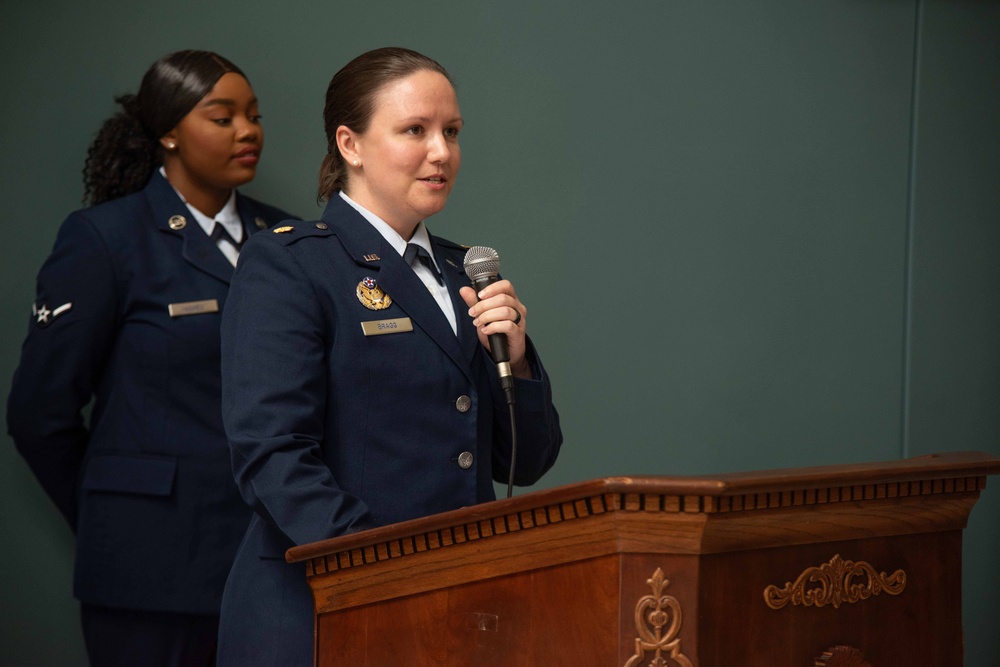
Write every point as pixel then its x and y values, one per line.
pixel 173 217
pixel 395 277
pixel 249 215
pixel 455 278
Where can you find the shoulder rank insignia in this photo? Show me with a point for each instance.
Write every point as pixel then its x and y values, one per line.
pixel 371 295
pixel 283 230
pixel 43 316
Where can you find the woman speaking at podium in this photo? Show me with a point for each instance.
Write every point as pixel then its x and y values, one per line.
pixel 358 389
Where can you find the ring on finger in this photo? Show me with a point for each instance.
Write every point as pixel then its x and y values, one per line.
pixel 517 320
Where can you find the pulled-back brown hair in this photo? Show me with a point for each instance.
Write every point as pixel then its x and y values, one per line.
pixel 350 101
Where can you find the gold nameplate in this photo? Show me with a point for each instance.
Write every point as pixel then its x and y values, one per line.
pixel 381 327
pixel 193 308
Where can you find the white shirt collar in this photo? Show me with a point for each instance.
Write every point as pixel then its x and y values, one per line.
pixel 420 235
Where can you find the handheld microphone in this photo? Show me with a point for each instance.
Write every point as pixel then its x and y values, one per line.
pixel 482 265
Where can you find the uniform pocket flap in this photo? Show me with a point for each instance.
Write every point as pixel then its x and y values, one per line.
pixel 130 474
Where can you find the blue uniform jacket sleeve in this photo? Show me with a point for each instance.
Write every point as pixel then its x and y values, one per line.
pixel 538 432
pixel 63 358
pixel 273 398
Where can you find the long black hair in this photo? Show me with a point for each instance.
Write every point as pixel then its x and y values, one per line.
pixel 126 150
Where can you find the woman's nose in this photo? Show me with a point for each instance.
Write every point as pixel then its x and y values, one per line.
pixel 439 149
pixel 247 130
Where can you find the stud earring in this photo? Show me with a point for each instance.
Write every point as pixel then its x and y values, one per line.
pixel 357 163
pixel 170 146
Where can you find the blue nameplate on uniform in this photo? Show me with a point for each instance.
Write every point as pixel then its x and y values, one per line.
pixel 193 307
pixel 381 327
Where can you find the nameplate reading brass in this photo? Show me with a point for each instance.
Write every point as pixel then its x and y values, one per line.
pixel 193 308
pixel 381 327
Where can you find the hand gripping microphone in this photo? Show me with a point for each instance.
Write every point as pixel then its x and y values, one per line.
pixel 482 265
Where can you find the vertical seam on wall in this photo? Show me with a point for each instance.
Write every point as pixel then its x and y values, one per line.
pixel 910 206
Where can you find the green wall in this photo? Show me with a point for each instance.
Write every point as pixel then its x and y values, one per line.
pixel 750 235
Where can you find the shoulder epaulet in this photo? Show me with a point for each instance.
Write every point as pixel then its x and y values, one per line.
pixel 300 229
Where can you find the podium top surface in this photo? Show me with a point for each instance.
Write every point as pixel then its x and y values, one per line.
pixel 777 482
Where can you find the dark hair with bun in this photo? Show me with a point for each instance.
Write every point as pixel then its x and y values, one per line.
pixel 126 150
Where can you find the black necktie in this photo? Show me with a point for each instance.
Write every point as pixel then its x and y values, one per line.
pixel 414 251
pixel 220 232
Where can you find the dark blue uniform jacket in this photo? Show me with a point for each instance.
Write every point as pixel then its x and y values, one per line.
pixel 334 431
pixel 146 482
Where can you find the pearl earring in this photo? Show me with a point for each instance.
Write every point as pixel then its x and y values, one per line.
pixel 357 162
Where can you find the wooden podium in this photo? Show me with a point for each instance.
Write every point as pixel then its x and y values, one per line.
pixel 838 566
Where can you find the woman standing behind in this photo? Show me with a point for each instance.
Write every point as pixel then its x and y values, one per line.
pixel 357 386
pixel 127 318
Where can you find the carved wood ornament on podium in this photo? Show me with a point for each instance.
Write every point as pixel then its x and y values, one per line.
pixel 841 656
pixel 836 582
pixel 658 622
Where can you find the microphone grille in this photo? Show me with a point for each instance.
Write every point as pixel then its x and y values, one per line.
pixel 481 262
